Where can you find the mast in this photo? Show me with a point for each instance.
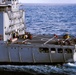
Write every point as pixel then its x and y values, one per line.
pixel 12 19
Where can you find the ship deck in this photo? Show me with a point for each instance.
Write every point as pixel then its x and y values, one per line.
pixel 47 39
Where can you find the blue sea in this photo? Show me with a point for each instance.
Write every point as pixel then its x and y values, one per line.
pixel 50 19
pixel 46 19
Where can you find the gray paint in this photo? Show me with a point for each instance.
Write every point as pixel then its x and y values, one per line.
pixel 1 23
pixel 29 54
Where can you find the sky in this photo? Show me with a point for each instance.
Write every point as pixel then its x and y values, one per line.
pixel 48 1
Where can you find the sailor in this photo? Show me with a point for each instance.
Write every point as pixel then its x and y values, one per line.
pixel 13 34
pixel 17 35
pixel 56 36
pixel 25 36
pixel 29 36
pixel 66 36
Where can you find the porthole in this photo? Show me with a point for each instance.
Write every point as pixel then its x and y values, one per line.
pixel 21 48
pixel 60 50
pixel 5 27
pixel 68 50
pixel 43 50
pixel 15 48
pixel 53 50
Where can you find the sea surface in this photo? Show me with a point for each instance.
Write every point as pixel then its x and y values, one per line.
pixel 46 19
pixel 50 19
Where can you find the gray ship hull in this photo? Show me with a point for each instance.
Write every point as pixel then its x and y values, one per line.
pixel 35 52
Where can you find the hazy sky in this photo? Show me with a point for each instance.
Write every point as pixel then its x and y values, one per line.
pixel 47 1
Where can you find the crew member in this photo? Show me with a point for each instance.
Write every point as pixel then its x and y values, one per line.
pixel 66 36
pixel 56 36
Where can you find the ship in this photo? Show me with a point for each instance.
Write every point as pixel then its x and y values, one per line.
pixel 17 46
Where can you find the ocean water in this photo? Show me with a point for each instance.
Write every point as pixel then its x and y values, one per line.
pixel 50 19
pixel 46 19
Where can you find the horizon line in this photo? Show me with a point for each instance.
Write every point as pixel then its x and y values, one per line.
pixel 50 3
pixel 47 3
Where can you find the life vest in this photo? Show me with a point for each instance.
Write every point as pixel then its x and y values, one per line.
pixel 66 36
